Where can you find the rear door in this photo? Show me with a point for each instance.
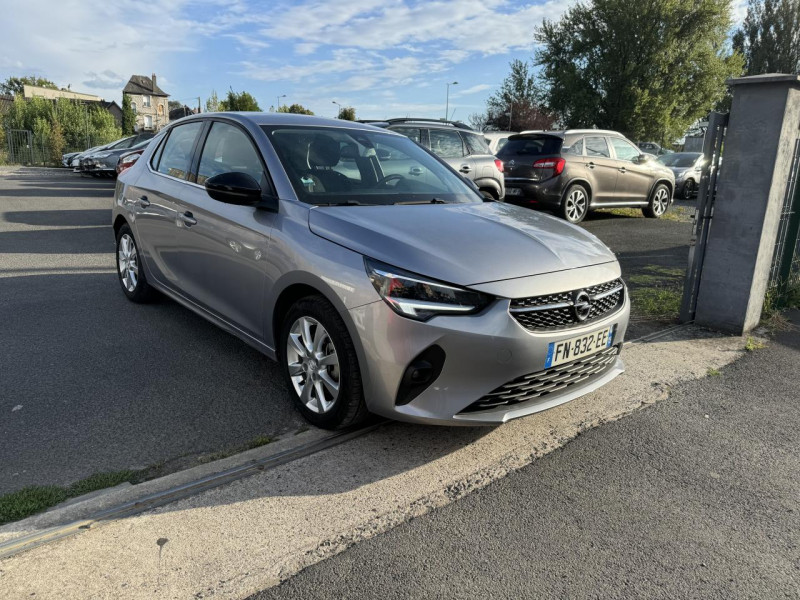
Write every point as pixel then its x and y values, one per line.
pixel 448 145
pixel 156 196
pixel 601 168
pixel 635 178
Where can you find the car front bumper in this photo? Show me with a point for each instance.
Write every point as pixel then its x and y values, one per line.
pixel 483 352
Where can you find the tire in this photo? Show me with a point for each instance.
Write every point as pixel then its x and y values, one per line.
pixel 339 408
pixel 659 202
pixel 130 271
pixel 489 195
pixel 688 190
pixel 575 205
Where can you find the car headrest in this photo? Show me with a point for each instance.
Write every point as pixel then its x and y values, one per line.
pixel 323 152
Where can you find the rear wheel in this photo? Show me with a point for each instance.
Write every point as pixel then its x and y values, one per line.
pixel 575 205
pixel 659 202
pixel 129 268
pixel 688 190
pixel 320 365
pixel 488 194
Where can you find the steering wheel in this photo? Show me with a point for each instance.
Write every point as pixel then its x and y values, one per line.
pixel 388 178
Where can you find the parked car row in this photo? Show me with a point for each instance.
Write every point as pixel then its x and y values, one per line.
pixel 105 160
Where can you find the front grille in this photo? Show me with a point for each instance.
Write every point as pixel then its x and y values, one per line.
pixel 542 383
pixel 557 311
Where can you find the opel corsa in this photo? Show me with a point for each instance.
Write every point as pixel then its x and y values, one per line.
pixel 377 276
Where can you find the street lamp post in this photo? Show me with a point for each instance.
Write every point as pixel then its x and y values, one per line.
pixel 279 101
pixel 447 105
pixel 340 108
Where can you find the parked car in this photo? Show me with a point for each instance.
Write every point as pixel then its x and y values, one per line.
pixel 105 162
pixel 579 170
pixel 653 148
pixel 85 160
pixel 398 293
pixel 687 168
pixel 497 139
pixel 127 160
pixel 459 146
pixel 66 159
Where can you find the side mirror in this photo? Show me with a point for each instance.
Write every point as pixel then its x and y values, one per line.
pixel 642 158
pixel 234 188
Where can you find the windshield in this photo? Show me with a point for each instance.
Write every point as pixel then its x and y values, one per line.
pixel 543 145
pixel 329 165
pixel 679 160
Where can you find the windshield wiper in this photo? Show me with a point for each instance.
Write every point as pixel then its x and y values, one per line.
pixel 431 201
pixel 343 203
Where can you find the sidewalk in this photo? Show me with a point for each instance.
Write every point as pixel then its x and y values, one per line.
pixel 695 497
pixel 235 540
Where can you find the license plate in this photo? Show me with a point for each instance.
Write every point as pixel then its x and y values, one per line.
pixel 513 191
pixel 580 346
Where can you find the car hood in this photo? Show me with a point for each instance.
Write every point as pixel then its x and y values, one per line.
pixel 465 244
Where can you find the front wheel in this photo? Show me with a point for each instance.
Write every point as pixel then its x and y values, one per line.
pixel 688 190
pixel 659 202
pixel 320 365
pixel 575 205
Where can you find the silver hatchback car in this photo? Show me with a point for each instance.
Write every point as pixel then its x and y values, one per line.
pixel 375 274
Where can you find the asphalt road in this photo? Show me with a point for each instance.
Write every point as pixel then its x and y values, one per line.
pixel 694 497
pixel 91 382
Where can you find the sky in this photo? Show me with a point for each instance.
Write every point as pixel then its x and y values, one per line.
pixel 385 58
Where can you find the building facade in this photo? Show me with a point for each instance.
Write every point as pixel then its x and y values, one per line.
pixel 148 101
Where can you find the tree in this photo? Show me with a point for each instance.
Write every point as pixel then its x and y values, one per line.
pixel 128 116
pixel 769 38
pixel 348 113
pixel 478 121
pixel 212 103
pixel 173 104
pixel 57 142
pixel 242 101
pixel 14 85
pixel 518 105
pixel 647 69
pixel 297 109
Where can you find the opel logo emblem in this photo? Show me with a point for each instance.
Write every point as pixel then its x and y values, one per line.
pixel 582 305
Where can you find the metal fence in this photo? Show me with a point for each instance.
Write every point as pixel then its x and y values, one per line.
pixel 23 147
pixel 784 276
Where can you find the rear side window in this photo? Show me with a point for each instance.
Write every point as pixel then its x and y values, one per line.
pixel 544 145
pixel 446 143
pixel 575 148
pixel 476 144
pixel 597 146
pixel 228 150
pixel 176 157
pixel 410 132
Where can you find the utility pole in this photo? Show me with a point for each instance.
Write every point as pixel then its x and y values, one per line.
pixel 340 108
pixel 277 109
pixel 447 105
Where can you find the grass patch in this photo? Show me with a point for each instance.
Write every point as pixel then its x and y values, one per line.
pixel 713 372
pixel 659 302
pixel 36 498
pixel 679 214
pixel 752 344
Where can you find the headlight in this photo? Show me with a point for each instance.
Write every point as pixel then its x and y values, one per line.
pixel 682 174
pixel 420 298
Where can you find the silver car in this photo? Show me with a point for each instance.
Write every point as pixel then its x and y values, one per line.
pixel 378 277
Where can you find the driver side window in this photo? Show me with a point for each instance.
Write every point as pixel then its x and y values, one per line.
pixel 227 150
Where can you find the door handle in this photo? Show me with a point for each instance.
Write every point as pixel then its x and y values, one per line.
pixel 590 165
pixel 622 170
pixel 142 201
pixel 465 169
pixel 187 219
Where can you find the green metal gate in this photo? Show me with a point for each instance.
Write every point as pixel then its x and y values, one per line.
pixel 784 276
pixel 20 147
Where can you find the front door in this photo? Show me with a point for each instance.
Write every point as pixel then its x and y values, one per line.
pixel 635 177
pixel 224 259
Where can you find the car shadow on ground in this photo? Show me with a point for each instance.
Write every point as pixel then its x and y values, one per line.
pixel 81 217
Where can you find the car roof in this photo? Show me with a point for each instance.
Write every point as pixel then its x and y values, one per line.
pixel 288 119
pixel 562 133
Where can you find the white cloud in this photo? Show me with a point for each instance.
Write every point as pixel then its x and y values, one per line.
pixel 481 87
pixel 305 48
pixel 105 80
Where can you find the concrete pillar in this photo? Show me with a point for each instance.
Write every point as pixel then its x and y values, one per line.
pixel 757 154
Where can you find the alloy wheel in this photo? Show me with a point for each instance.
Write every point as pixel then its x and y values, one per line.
pixel 128 261
pixel 575 206
pixel 313 364
pixel 688 190
pixel 660 201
